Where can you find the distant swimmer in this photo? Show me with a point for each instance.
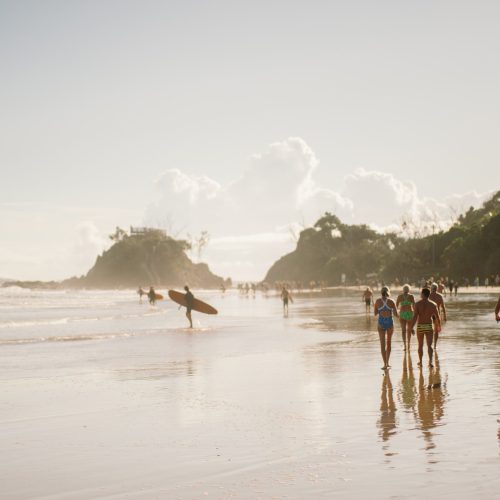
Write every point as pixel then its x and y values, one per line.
pixel 152 296
pixel 368 298
pixel 141 292
pixel 425 310
pixel 406 304
pixel 436 297
pixel 385 308
pixel 189 305
pixel 497 310
pixel 286 296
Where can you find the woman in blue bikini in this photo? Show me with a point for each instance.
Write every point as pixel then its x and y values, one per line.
pixel 385 309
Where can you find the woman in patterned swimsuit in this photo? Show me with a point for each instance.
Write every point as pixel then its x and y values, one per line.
pixel 385 308
pixel 406 303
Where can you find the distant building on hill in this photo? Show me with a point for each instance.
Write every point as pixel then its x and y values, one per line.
pixel 141 231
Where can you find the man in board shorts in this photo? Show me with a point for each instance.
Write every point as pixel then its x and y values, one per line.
pixel 436 297
pixel 285 297
pixel 367 297
pixel 189 305
pixel 425 310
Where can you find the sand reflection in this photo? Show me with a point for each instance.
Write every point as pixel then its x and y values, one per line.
pixel 430 406
pixel 408 391
pixel 387 421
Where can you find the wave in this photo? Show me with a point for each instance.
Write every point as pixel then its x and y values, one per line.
pixel 66 320
pixel 16 324
pixel 64 338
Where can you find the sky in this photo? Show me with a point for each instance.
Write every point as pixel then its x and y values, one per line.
pixel 245 119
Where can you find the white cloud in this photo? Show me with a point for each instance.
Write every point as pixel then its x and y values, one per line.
pixel 253 219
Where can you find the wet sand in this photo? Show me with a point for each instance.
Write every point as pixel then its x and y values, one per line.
pixel 250 405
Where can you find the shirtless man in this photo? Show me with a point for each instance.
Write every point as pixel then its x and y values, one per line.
pixel 367 297
pixel 189 305
pixel 436 297
pixel 425 310
pixel 152 296
pixel 285 297
pixel 497 310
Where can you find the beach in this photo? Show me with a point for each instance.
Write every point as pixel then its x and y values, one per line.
pixel 103 397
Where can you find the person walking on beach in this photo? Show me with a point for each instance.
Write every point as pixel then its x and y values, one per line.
pixel 189 305
pixel 385 308
pixel 438 299
pixel 406 303
pixel 285 297
pixel 140 292
pixel 425 310
pixel 368 298
pixel 497 311
pixel 152 296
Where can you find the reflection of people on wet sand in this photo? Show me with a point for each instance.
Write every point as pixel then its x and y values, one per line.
pixel 425 310
pixel 438 299
pixel 406 302
pixel 189 305
pixel 387 420
pixel 152 296
pixel 368 298
pixel 408 392
pixel 430 407
pixel 285 297
pixel 497 310
pixel 140 292
pixel 385 307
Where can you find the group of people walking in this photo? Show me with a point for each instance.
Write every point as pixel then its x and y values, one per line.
pixel 423 317
pixel 427 314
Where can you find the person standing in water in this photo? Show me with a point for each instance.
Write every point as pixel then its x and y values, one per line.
pixel 438 299
pixel 189 305
pixel 497 310
pixel 406 303
pixel 385 308
pixel 367 297
pixel 425 310
pixel 152 296
pixel 285 297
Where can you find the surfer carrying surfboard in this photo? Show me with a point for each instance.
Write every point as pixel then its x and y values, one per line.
pixel 189 305
pixel 188 301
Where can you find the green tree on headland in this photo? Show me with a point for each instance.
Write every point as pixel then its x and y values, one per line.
pixel 330 248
